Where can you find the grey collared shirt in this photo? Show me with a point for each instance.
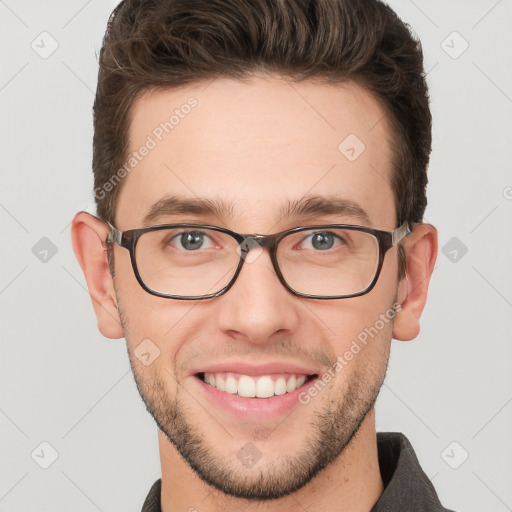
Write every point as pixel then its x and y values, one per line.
pixel 406 487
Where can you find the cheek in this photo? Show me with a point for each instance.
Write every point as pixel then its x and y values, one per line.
pixel 353 319
pixel 142 313
pixel 362 352
pixel 361 328
pixel 157 329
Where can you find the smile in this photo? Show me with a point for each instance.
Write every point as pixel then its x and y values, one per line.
pixel 252 392
pixel 262 386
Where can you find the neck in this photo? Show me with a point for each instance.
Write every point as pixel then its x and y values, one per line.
pixel 351 483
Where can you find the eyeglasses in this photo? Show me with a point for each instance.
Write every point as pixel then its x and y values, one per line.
pixel 193 262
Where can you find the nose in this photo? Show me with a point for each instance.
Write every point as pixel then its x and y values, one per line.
pixel 258 308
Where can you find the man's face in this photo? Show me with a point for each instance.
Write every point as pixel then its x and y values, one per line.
pixel 257 146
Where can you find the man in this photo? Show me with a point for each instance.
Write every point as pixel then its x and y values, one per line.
pixel 260 174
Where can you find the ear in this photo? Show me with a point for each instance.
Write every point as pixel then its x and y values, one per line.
pixel 421 252
pixel 88 234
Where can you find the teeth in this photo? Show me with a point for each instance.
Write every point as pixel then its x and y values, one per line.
pixel 246 386
pixel 220 383
pixel 291 385
pixel 264 386
pixel 300 381
pixel 231 385
pixel 280 386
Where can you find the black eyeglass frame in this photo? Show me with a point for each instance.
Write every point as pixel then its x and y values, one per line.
pixel 386 240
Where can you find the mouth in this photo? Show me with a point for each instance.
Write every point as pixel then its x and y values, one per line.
pixel 256 395
pixel 251 386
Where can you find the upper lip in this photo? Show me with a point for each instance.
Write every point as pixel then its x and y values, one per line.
pixel 256 369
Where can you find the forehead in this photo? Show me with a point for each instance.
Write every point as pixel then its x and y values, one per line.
pixel 256 145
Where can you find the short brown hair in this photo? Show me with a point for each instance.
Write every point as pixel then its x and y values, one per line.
pixel 170 43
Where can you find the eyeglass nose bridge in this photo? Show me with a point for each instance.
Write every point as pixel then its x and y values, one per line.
pixel 254 241
pixel 251 247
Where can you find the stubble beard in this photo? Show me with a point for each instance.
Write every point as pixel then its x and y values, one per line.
pixel 330 432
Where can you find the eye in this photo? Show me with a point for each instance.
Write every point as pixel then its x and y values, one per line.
pixel 321 240
pixel 191 240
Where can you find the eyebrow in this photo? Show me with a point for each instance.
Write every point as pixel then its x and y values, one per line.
pixel 299 209
pixel 314 206
pixel 178 205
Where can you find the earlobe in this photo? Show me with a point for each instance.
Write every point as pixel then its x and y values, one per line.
pixel 421 251
pixel 88 234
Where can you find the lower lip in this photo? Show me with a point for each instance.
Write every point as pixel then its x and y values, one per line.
pixel 253 408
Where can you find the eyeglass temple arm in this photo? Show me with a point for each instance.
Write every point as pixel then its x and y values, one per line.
pixel 401 232
pixel 114 234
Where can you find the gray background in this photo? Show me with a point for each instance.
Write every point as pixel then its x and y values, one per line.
pixel 64 384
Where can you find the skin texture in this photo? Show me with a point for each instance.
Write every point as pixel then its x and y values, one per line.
pixel 258 144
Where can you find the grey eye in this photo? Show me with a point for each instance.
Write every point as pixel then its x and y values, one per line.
pixel 192 240
pixel 322 240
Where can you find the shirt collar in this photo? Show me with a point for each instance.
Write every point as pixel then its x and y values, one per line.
pixel 406 486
